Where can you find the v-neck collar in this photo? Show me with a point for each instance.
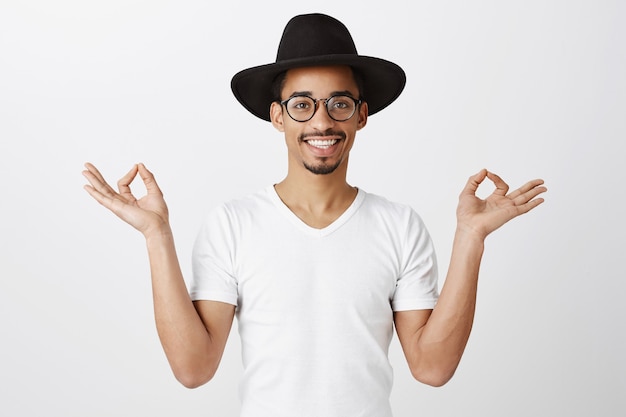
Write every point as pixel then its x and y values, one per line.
pixel 312 231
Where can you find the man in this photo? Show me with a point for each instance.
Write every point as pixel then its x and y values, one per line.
pixel 316 270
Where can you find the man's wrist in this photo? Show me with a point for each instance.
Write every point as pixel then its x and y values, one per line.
pixel 469 235
pixel 158 234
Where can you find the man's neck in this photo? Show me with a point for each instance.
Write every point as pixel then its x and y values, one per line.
pixel 318 200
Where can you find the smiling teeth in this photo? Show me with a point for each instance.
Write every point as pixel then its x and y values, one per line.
pixel 323 144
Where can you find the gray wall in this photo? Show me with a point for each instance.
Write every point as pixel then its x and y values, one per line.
pixel 527 89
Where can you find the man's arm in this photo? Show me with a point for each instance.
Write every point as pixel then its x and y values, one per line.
pixel 193 336
pixel 434 341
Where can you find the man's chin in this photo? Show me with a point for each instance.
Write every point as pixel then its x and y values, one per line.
pixel 322 169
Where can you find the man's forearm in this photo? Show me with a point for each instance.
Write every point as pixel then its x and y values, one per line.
pixel 184 337
pixel 441 342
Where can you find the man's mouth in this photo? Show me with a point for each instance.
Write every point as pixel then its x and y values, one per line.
pixel 322 143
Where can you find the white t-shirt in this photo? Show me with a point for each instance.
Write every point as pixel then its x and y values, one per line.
pixel 315 306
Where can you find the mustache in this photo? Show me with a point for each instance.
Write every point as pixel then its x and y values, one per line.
pixel 318 134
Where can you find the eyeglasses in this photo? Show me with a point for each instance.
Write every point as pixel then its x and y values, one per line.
pixel 302 108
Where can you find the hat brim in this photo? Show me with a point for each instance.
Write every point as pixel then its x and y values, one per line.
pixel 383 81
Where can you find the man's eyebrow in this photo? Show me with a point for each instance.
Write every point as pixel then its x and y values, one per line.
pixel 301 93
pixel 342 93
pixel 310 93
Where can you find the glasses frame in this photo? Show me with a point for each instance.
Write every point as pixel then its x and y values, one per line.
pixel 357 103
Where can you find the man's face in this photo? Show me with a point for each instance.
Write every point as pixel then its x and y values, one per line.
pixel 320 145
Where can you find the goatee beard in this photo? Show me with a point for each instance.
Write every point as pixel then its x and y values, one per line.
pixel 322 168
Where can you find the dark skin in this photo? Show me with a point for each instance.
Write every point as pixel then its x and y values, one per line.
pixel 194 334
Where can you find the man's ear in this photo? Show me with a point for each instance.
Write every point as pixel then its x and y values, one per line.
pixel 276 116
pixel 363 110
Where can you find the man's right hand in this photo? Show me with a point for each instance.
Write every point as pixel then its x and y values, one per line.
pixel 148 214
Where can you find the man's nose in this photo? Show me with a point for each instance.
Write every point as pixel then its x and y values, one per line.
pixel 321 119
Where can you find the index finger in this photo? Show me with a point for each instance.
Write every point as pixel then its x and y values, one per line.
pixel 501 187
pixel 148 179
pixel 123 184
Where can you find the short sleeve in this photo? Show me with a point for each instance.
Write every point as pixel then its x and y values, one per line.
pixel 417 286
pixel 213 259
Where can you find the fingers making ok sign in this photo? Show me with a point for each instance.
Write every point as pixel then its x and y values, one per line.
pixel 147 214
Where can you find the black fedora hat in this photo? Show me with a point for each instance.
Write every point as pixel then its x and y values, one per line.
pixel 311 40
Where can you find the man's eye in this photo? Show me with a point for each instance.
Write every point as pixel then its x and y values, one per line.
pixel 341 103
pixel 300 104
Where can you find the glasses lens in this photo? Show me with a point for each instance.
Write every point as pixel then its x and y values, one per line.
pixel 341 108
pixel 301 108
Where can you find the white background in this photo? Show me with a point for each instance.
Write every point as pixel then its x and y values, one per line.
pixel 527 89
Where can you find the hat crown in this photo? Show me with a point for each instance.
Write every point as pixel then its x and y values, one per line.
pixel 312 35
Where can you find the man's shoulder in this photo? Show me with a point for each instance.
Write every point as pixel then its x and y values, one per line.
pixel 251 203
pixel 260 196
pixel 390 213
pixel 381 203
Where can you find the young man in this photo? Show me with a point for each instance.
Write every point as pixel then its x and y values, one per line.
pixel 316 270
